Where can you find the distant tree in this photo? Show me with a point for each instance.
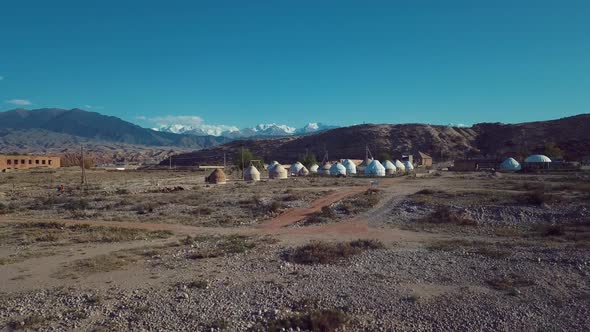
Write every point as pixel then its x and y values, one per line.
pixel 383 156
pixel 308 160
pixel 552 151
pixel 247 156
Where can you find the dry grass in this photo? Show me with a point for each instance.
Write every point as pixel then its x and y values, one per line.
pixel 216 246
pixel 444 215
pixel 329 252
pixel 55 233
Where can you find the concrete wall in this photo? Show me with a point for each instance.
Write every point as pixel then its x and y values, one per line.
pixel 28 162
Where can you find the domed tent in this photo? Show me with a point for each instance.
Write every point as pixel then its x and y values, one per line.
pixel 314 168
pixel 408 165
pixel 338 169
pixel 400 166
pixel 537 158
pixel 295 168
pixel 216 177
pixel 537 161
pixel 277 172
pixel 303 171
pixel 375 169
pixel 324 170
pixel 251 174
pixel 350 167
pixel 390 168
pixel 272 164
pixel 363 166
pixel 510 165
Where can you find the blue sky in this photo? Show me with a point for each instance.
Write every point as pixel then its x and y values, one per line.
pixel 339 62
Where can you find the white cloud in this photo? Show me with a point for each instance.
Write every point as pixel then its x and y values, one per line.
pixel 20 102
pixel 93 107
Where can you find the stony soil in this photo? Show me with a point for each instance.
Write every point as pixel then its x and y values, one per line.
pixel 503 272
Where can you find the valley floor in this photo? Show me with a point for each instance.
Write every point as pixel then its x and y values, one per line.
pixel 156 250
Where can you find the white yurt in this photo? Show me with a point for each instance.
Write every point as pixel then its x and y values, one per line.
pixel 390 168
pixel 295 168
pixel 303 171
pixel 277 172
pixel 537 158
pixel 251 174
pixel 337 169
pixel 324 170
pixel 510 165
pixel 314 168
pixel 537 161
pixel 375 168
pixel 400 166
pixel 350 167
pixel 272 164
pixel 408 165
pixel 363 166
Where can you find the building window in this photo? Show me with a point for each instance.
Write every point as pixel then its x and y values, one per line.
pixel 30 161
pixel 9 162
pixel 49 161
pixel 22 161
pixel 16 161
pixel 37 161
pixel 43 161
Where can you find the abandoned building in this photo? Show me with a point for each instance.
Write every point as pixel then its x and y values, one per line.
pixel 12 162
pixel 423 160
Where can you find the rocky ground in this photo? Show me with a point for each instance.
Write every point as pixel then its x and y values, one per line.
pixel 439 260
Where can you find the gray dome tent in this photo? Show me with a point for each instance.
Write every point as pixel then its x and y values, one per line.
pixel 277 172
pixel 510 165
pixel 324 170
pixel 251 174
pixel 350 167
pixel 314 168
pixel 375 169
pixel 390 168
pixel 295 168
pixel 337 169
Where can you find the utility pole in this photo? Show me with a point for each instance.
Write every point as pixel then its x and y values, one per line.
pixel 170 158
pixel 82 165
pixel 224 163
pixel 242 161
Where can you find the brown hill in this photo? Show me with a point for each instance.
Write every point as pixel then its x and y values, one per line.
pixel 442 142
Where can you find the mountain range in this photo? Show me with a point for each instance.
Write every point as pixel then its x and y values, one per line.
pixel 493 140
pixel 108 139
pixel 95 126
pixel 259 131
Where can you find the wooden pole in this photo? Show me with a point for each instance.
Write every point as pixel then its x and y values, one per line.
pixel 82 165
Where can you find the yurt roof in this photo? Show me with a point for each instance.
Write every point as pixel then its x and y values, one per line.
pixel 389 165
pixel 252 170
pixel 314 167
pixel 375 165
pixel 537 158
pixel 510 164
pixel 337 167
pixel 408 165
pixel 399 164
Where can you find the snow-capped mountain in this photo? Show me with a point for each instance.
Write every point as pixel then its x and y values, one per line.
pixel 261 130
